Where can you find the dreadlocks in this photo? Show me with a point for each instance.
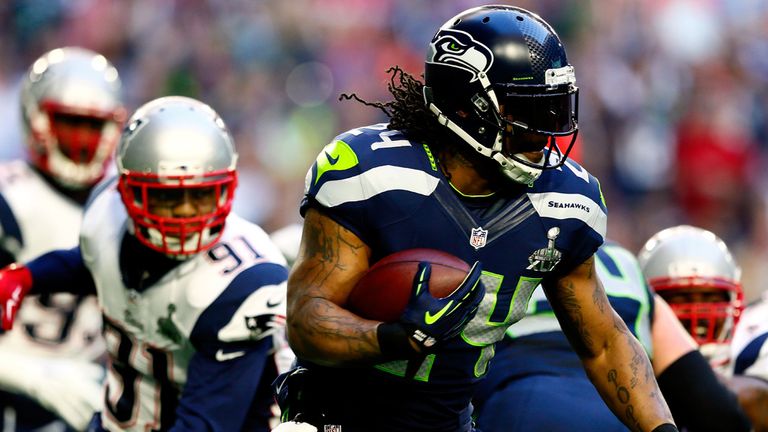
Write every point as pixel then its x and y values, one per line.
pixel 407 111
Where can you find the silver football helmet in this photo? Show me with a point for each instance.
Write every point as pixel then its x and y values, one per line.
pixel 176 161
pixel 72 115
pixel 693 270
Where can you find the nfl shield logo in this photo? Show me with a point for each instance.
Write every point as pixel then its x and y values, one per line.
pixel 478 237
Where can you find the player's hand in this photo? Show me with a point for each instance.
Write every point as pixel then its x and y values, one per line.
pixel 71 389
pixel 15 282
pixel 431 320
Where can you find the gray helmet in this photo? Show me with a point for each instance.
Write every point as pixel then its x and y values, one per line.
pixel 176 144
pixel 683 263
pixel 69 86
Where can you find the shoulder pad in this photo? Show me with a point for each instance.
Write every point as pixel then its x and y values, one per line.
pixel 365 162
pixel 571 192
pixel 250 308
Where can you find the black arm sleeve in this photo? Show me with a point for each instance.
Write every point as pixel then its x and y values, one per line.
pixel 698 401
pixel 61 271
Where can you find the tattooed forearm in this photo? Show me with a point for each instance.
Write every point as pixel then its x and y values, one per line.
pixel 632 390
pixel 600 299
pixel 614 360
pixel 623 396
pixel 576 329
pixel 321 320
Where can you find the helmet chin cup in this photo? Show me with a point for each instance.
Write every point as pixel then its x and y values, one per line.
pixel 174 247
pixel 516 171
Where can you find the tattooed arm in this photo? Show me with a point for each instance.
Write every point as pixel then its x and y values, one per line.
pixel 612 357
pixel 331 260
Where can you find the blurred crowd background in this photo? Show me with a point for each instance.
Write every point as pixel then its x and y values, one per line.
pixel 673 103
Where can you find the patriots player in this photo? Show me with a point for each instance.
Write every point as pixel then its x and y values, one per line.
pixel 749 362
pixel 467 164
pixel 535 368
pixel 693 270
pixel 72 115
pixel 193 296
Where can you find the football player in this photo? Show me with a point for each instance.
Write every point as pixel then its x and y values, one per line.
pixel 695 272
pixel 192 295
pixel 72 116
pixel 467 164
pixel 749 362
pixel 535 369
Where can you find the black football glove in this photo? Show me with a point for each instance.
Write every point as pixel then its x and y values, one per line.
pixel 427 320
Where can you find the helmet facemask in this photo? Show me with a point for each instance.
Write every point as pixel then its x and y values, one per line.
pixel 75 147
pixel 709 308
pixel 181 215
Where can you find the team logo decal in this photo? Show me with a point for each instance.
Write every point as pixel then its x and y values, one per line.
pixel 264 325
pixel 545 259
pixel 167 328
pixel 459 49
pixel 478 237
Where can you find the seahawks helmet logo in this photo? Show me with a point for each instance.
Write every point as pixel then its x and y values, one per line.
pixel 456 48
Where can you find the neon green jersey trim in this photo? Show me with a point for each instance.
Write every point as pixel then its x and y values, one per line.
pixel 468 195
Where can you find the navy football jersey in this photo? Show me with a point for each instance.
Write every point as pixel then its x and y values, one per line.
pixel 391 193
pixel 535 357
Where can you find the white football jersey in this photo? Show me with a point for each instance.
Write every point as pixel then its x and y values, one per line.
pixel 749 346
pixel 36 218
pixel 153 333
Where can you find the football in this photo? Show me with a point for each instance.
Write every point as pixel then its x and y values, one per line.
pixel 383 292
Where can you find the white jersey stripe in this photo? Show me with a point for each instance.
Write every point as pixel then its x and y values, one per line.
pixel 570 206
pixel 373 182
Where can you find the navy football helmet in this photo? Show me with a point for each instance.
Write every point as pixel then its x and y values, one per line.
pixel 498 77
